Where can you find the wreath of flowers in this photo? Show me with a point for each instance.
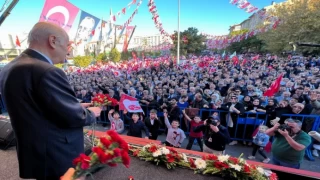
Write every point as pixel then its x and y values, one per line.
pixel 222 165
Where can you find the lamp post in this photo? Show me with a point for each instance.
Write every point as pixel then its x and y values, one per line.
pixel 178 42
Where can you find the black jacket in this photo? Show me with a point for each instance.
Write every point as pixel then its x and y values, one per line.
pixel 46 116
pixel 153 129
pixel 219 139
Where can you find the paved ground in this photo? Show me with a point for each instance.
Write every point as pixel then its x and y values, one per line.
pixel 140 170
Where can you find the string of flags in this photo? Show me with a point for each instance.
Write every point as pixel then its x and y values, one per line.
pixel 155 17
pixel 123 11
pixel 245 5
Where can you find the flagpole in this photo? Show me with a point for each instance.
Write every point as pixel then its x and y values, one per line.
pixel 178 42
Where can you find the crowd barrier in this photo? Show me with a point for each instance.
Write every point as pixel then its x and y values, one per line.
pixel 244 125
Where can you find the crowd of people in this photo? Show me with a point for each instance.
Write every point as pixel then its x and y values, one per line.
pixel 231 89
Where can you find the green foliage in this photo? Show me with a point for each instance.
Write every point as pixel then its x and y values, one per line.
pixel 125 55
pixel 82 61
pixel 102 57
pixel 236 33
pixel 252 44
pixel 115 55
pixel 299 23
pixel 195 44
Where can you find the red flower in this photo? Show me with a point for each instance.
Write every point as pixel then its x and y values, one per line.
pixel 234 160
pixel 192 164
pixel 116 138
pixel 117 152
pixel 220 165
pixel 112 164
pixel 246 169
pixel 125 158
pixel 136 152
pixel 103 157
pixel 173 150
pixel 84 160
pixel 170 158
pixel 212 157
pixel 273 176
pixel 106 143
pixel 153 148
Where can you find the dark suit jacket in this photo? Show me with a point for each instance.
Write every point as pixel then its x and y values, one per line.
pixel 46 117
pixel 153 129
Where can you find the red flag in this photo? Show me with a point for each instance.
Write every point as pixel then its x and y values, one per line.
pixel 124 11
pixel 274 88
pixel 129 103
pixel 235 60
pixel 18 42
pixel 92 32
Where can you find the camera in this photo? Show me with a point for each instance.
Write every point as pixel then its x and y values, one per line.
pixel 211 121
pixel 283 127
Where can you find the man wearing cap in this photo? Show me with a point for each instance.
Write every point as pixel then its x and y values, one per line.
pixel 215 137
pixel 288 147
pixel 153 124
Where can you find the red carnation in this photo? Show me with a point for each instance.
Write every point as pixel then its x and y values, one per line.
pixel 173 150
pixel 103 157
pixel 234 160
pixel 106 143
pixel 84 160
pixel 192 164
pixel 112 164
pixel 136 152
pixel 273 176
pixel 117 152
pixel 153 148
pixel 212 157
pixel 246 169
pixel 170 158
pixel 220 165
pixel 125 158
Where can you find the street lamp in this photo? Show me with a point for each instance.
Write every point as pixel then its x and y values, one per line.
pixel 178 43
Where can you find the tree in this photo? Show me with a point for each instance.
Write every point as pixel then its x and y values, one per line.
pixel 82 61
pixel 252 44
pixel 236 33
pixel 115 55
pixel 125 55
pixel 102 57
pixel 299 22
pixel 190 42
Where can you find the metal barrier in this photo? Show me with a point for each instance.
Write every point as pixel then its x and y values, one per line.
pixel 244 125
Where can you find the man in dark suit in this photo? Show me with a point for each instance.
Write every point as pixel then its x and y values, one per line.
pixel 153 124
pixel 46 117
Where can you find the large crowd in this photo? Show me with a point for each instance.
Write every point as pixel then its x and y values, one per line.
pixel 231 88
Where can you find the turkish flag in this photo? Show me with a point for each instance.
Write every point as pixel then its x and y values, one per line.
pixel 274 88
pixel 18 42
pixel 129 103
pixel 117 73
pixel 60 12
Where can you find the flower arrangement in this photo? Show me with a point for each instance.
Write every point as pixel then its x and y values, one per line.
pixel 223 165
pixel 104 100
pixel 110 150
pixel 161 154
